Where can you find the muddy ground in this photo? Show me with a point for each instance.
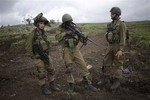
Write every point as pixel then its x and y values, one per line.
pixel 18 75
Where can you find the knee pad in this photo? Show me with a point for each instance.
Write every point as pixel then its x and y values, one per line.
pixel 68 69
pixel 50 71
pixel 41 75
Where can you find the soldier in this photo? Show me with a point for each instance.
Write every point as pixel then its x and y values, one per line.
pixel 71 53
pixel 37 48
pixel 114 55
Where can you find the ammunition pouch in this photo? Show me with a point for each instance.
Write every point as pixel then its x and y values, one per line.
pixel 71 42
pixel 112 37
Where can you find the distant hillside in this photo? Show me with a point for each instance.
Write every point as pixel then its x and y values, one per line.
pixel 140 30
pixel 16 29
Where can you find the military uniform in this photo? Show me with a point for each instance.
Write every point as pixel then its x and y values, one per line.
pixel 71 51
pixel 42 68
pixel 45 68
pixel 116 37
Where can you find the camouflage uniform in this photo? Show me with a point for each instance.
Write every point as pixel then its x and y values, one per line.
pixel 71 51
pixel 116 37
pixel 116 31
pixel 45 70
pixel 42 67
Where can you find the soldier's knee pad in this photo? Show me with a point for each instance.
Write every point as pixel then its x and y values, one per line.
pixel 41 75
pixel 68 69
pixel 50 71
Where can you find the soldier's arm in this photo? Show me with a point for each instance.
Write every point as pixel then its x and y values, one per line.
pixel 122 35
pixel 59 34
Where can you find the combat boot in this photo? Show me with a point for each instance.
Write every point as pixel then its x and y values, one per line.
pixel 115 84
pixel 71 87
pixel 89 85
pixel 45 90
pixel 104 80
pixel 92 88
pixel 53 87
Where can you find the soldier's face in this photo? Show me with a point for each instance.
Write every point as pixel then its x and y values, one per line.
pixel 41 25
pixel 69 22
pixel 112 15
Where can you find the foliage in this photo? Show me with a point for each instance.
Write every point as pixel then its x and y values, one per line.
pixel 16 29
pixel 92 28
pixel 141 33
pixel 18 43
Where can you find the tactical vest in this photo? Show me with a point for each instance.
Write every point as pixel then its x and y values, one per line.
pixel 113 35
pixel 41 39
pixel 71 40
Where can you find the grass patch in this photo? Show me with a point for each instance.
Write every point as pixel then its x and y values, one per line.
pixel 141 33
pixel 18 43
pixel 92 28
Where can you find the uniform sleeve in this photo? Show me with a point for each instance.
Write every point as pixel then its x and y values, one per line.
pixel 59 34
pixel 122 31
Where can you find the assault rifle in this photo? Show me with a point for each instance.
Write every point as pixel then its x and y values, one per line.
pixel 81 35
pixel 43 54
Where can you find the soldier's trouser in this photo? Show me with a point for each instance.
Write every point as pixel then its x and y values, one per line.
pixel 45 71
pixel 71 55
pixel 112 65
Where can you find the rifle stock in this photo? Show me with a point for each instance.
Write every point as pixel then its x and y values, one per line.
pixel 43 55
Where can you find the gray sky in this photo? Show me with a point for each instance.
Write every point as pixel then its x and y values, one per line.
pixel 83 11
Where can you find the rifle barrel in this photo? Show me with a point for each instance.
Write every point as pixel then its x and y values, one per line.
pixel 81 35
pixel 93 42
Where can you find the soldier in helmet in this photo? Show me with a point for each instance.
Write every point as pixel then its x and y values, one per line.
pixel 114 55
pixel 38 48
pixel 71 53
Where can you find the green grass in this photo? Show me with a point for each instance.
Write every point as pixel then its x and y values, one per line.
pixel 17 29
pixel 141 32
pixel 18 43
pixel 92 28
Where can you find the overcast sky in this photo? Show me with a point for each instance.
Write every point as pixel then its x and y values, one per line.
pixel 83 11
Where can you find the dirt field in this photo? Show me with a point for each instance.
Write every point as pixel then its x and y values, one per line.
pixel 18 75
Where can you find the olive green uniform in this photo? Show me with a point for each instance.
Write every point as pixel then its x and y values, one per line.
pixel 45 70
pixel 71 53
pixel 116 38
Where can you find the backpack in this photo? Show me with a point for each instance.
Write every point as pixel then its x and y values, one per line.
pixel 28 44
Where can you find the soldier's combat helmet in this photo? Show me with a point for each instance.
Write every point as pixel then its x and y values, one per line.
pixel 66 17
pixel 40 18
pixel 116 10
